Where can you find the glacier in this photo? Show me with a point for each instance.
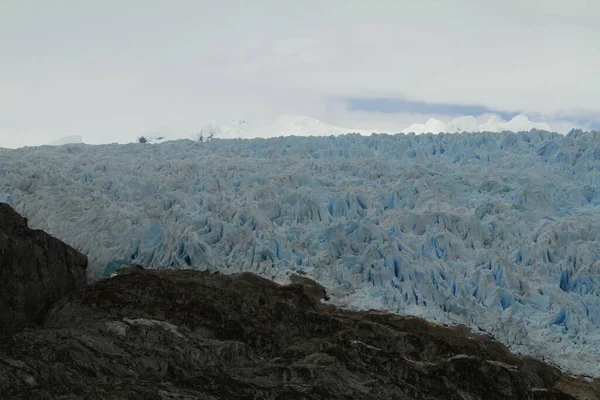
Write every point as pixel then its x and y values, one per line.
pixel 498 231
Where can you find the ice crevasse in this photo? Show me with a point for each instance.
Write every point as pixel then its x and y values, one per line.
pixel 499 231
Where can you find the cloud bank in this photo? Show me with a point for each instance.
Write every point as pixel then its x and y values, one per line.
pixel 112 70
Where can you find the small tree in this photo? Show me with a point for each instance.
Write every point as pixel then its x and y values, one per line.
pixel 142 139
pixel 207 133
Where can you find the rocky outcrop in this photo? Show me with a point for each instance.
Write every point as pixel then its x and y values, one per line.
pixel 311 288
pixel 36 270
pixel 196 335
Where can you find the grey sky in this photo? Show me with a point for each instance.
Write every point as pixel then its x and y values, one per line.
pixel 111 70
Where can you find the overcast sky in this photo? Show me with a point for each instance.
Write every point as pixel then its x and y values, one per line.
pixel 113 70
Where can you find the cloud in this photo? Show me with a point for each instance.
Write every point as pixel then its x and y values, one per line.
pixel 391 105
pixel 580 118
pixel 112 70
pixel 561 121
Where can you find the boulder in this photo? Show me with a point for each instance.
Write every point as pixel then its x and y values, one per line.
pixel 311 288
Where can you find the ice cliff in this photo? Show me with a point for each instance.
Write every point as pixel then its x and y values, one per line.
pixel 500 231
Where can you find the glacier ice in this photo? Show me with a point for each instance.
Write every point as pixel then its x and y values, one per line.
pixel 499 231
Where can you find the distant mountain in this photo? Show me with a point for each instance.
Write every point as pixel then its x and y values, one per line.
pixel 231 127
pixel 291 125
pixel 286 125
pixel 238 125
pixel 67 140
pixel 469 124
pixel 463 124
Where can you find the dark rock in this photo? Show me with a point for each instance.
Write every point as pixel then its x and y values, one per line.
pixel 36 270
pixel 312 289
pixel 129 269
pixel 197 335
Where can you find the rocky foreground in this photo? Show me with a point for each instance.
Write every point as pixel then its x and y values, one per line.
pixel 195 335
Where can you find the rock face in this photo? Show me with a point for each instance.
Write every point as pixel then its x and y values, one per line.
pixel 312 289
pixel 36 270
pixel 196 335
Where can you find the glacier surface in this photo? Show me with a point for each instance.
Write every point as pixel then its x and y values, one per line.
pixel 499 231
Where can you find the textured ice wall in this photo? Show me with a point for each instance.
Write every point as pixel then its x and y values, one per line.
pixel 499 231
